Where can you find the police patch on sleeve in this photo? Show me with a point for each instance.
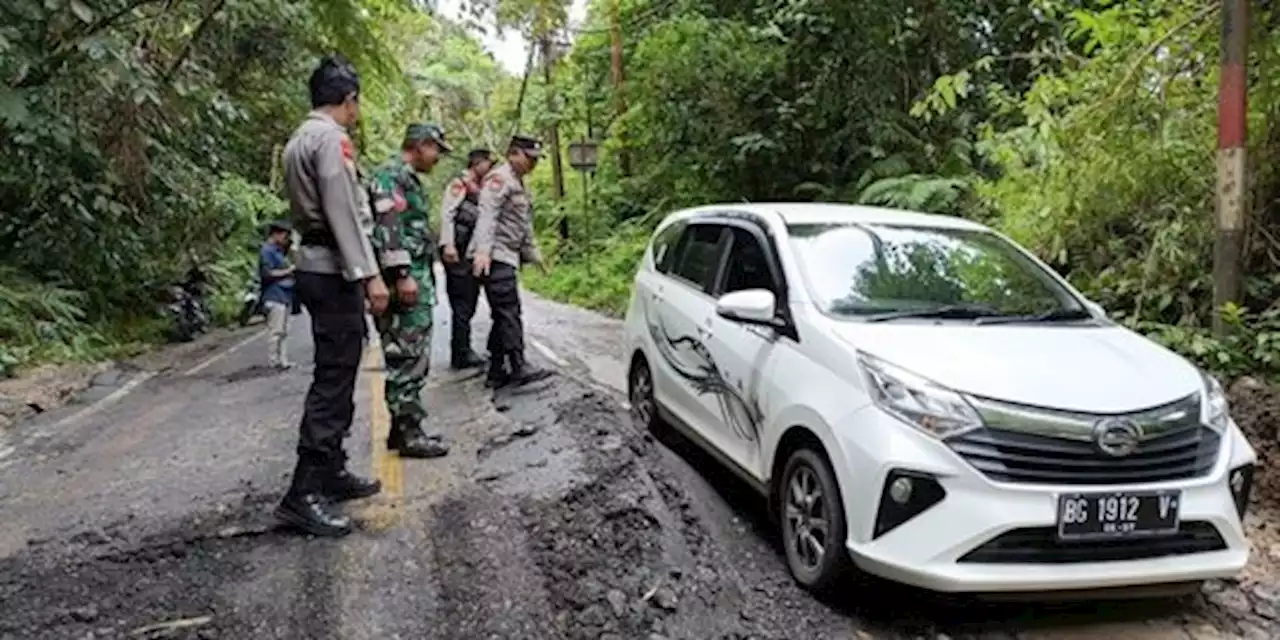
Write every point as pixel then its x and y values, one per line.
pixel 457 188
pixel 494 183
pixel 348 149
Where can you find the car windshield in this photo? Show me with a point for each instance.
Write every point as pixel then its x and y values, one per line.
pixel 882 271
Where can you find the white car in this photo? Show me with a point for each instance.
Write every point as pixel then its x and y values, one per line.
pixel 919 397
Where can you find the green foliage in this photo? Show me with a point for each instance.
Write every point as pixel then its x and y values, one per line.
pixel 140 136
pixel 1084 130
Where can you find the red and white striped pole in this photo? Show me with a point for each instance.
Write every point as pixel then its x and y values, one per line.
pixel 1232 139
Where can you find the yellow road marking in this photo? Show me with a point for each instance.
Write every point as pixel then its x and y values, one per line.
pixel 387 465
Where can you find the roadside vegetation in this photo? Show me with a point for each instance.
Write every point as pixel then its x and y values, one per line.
pixel 142 134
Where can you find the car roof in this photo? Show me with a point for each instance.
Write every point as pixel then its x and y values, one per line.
pixel 826 213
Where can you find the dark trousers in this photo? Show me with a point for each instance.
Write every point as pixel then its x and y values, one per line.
pixel 502 290
pixel 337 327
pixel 464 291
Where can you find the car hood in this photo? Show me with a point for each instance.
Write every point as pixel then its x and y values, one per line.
pixel 1081 368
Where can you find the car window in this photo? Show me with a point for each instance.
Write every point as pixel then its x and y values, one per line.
pixel 664 246
pixel 699 255
pixel 747 267
pixel 866 269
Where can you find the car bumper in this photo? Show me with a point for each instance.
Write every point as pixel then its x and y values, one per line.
pixel 933 549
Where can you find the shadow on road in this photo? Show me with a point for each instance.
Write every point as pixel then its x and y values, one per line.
pixel 897 608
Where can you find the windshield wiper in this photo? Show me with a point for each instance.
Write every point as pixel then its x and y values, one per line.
pixel 946 311
pixel 1055 315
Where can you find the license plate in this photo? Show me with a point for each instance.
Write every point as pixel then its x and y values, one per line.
pixel 1118 515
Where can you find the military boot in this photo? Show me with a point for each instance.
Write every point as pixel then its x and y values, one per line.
pixel 307 508
pixel 408 439
pixel 523 373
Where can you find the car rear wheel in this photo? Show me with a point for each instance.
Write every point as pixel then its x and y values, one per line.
pixel 644 406
pixel 812 521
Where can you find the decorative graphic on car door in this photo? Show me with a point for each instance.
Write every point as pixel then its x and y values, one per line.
pixel 692 360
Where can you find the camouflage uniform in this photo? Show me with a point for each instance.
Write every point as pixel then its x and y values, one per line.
pixel 402 238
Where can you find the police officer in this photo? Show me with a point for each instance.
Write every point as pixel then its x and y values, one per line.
pixel 337 272
pixel 460 209
pixel 502 242
pixel 407 252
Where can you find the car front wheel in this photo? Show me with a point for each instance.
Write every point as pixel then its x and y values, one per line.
pixel 812 521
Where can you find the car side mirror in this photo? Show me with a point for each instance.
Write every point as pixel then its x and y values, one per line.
pixel 749 306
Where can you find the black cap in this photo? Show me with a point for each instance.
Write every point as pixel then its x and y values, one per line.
pixel 531 146
pixel 476 156
pixel 333 80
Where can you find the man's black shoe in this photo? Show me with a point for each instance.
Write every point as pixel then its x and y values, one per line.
pixel 344 485
pixel 313 514
pixel 409 441
pixel 523 373
pixel 467 360
pixel 498 376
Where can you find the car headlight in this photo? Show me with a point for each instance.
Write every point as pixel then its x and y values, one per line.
pixel 924 404
pixel 1213 410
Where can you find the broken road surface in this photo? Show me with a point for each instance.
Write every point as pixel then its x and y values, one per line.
pixel 145 512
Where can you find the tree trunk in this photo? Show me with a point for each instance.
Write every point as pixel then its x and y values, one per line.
pixel 619 92
pixel 553 132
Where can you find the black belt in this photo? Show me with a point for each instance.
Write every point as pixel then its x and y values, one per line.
pixel 319 238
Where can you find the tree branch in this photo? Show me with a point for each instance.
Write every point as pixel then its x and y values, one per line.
pixel 50 63
pixel 524 86
pixel 1154 47
pixel 191 42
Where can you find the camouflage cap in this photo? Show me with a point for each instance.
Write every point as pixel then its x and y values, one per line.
pixel 531 146
pixel 419 131
pixel 279 225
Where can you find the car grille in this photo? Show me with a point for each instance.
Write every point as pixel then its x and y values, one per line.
pixel 1040 545
pixel 1009 451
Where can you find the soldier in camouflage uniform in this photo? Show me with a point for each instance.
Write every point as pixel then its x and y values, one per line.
pixel 406 251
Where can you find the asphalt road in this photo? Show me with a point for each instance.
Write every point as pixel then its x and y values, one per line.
pixel 143 511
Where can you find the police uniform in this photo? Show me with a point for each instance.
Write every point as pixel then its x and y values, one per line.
pixel 402 239
pixel 331 212
pixel 460 209
pixel 504 231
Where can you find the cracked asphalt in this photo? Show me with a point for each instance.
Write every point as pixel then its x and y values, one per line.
pixel 143 511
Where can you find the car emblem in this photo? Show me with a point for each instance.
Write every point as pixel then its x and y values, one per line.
pixel 1117 437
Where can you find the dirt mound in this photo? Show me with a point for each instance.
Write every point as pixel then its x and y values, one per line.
pixel 1256 408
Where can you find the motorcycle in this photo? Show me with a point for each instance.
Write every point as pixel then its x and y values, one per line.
pixel 187 308
pixel 251 302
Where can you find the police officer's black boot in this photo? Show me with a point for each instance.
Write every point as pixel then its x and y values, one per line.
pixel 307 508
pixel 465 358
pixel 498 376
pixel 408 439
pixel 341 485
pixel 523 373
